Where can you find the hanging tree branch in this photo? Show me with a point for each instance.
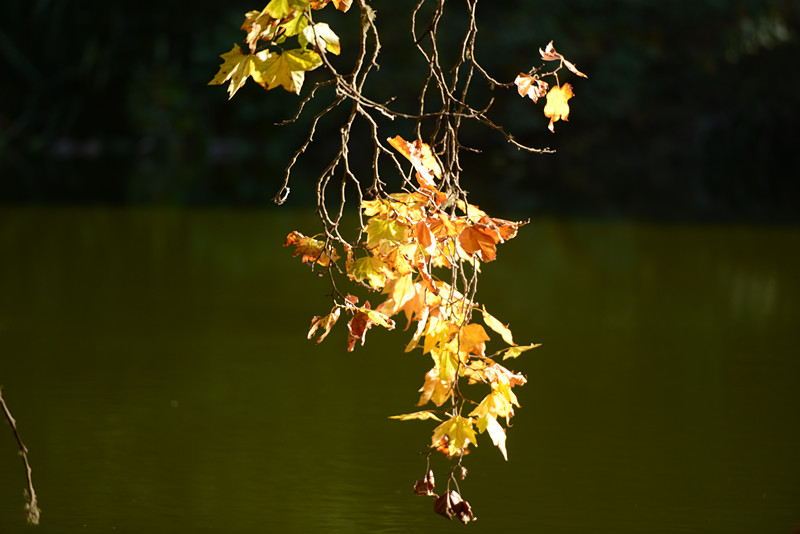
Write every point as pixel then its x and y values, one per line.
pixel 32 506
pixel 424 245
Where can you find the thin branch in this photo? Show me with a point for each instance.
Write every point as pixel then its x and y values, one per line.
pixel 32 506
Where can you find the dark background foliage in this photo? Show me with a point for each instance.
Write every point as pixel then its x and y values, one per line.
pixel 690 110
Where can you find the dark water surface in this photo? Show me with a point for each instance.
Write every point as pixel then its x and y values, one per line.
pixel 157 365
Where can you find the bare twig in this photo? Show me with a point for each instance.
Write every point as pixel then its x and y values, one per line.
pixel 32 506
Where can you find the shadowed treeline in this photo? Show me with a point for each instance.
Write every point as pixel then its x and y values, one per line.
pixel 690 109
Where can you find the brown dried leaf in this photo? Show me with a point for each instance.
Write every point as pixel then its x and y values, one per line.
pixel 550 54
pixel 452 505
pixel 424 486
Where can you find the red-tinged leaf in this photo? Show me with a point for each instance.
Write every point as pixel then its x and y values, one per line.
pixel 452 505
pixel 357 328
pixel 325 323
pixel 557 108
pixel 363 319
pixel 312 250
pixel 532 87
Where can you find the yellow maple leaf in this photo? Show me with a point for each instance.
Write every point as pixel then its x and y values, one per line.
pixel 557 107
pixel 287 69
pixel 368 268
pixel 237 67
pixel 383 233
pixel 495 404
pixel 459 432
pixel 435 389
pixel 279 9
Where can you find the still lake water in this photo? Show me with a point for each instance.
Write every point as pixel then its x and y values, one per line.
pixel 157 365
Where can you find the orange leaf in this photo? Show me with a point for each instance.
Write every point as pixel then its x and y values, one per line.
pixel 421 157
pixel 557 107
pixel 472 339
pixel 480 240
pixel 311 249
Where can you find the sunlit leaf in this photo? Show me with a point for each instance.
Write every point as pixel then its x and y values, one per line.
pixel 382 232
pixel 459 432
pixel 434 389
pixel 495 404
pixel 472 338
pixel 236 67
pixel 497 326
pixel 421 157
pixel 326 38
pixel 423 415
pixel 557 108
pixel 424 486
pixel 514 352
pixel 550 54
pixel 531 86
pixel 279 9
pixel 452 505
pixel 497 433
pixel 285 69
pixel 369 269
pixel 312 250
pixel 480 240
pixel 325 323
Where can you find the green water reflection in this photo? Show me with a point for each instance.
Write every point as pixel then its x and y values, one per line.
pixel 157 364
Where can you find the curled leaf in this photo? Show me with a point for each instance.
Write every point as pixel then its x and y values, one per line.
pixel 530 86
pixel 423 415
pixel 325 323
pixel 424 486
pixel 497 326
pixel 421 157
pixel 452 505
pixel 326 38
pixel 550 54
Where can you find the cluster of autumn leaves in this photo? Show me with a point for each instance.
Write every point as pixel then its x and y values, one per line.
pixel 421 252
pixel 276 66
pixel 409 238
